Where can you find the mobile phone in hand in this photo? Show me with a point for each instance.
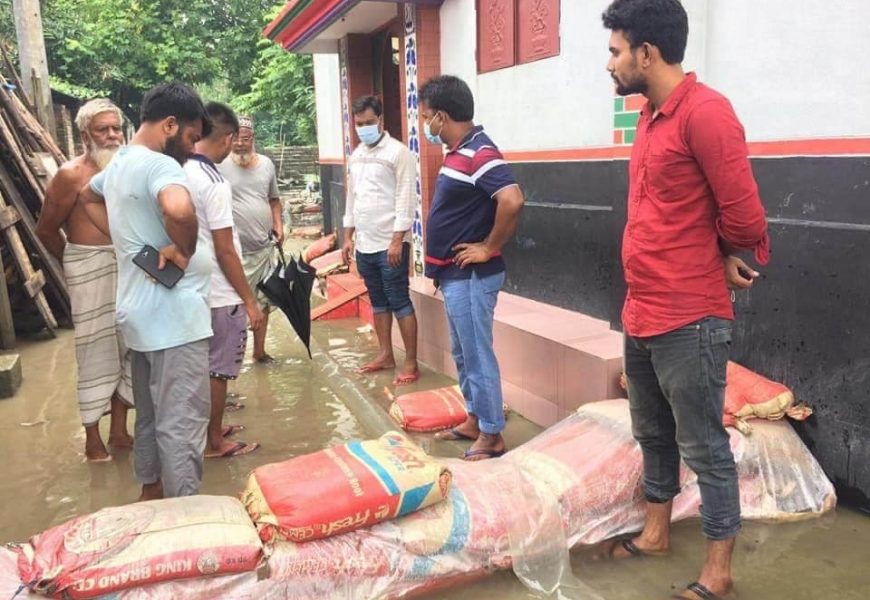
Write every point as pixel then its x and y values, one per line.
pixel 148 260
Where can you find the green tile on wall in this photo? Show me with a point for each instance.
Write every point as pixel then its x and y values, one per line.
pixel 619 104
pixel 628 136
pixel 625 120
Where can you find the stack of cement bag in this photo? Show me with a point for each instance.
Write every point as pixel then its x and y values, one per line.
pixel 577 483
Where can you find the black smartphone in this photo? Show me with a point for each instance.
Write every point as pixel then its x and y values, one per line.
pixel 148 259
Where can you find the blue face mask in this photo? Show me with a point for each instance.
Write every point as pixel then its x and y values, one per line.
pixel 369 134
pixel 433 139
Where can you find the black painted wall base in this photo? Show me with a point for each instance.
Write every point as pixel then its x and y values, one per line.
pixel 805 323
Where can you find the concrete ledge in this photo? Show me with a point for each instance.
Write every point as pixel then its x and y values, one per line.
pixel 10 375
pixel 552 360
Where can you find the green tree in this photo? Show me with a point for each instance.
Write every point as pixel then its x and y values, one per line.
pixel 283 93
pixel 121 48
pixel 128 46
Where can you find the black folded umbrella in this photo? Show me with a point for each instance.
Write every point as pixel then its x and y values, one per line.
pixel 288 286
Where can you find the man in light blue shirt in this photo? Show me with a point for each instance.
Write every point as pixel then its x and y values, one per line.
pixel 142 198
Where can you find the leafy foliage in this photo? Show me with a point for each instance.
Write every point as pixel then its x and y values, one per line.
pixel 124 47
pixel 283 94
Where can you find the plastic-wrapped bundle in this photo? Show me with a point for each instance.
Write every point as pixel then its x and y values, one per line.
pixel 587 468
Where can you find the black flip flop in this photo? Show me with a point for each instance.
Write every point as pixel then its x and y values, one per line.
pixel 700 591
pixel 457 436
pixel 629 546
pixel 487 452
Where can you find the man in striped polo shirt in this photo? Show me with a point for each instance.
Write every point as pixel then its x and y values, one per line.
pixel 473 214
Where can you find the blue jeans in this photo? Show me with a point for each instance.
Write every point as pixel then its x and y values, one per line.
pixel 470 304
pixel 676 390
pixel 387 286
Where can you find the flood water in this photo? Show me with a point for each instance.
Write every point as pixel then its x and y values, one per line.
pixel 291 410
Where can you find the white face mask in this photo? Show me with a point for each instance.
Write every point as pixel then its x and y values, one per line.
pixel 369 134
pixel 427 131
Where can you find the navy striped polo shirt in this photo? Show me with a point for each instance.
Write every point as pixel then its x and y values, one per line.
pixel 463 206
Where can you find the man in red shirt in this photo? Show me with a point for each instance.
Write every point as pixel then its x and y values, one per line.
pixel 692 204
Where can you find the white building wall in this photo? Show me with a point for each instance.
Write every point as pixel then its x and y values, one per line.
pixel 327 94
pixel 792 68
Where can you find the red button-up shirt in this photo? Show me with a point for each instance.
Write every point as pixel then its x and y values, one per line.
pixel 691 192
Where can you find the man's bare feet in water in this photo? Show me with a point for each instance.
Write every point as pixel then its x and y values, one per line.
pixel 151 491
pixel 467 431
pixel 123 441
pixel 380 363
pixel 95 450
pixel 408 374
pixel 118 436
pixel 264 359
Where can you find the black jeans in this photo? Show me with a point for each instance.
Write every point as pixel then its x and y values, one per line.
pixel 676 390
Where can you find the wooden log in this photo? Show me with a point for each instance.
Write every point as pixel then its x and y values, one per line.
pixel 34 284
pixel 55 269
pixel 27 272
pixel 7 326
pixel 8 217
pixel 23 167
pixel 45 140
pixel 16 119
pixel 19 86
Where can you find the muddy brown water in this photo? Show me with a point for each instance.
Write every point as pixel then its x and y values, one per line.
pixel 292 410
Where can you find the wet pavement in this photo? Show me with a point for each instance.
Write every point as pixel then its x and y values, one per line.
pixel 292 409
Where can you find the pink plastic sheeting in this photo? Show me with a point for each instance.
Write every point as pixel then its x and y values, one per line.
pixel 588 468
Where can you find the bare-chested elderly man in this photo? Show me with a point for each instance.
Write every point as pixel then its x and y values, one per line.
pixel 91 274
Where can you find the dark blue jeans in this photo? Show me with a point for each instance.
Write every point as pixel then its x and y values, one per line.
pixel 387 286
pixel 676 390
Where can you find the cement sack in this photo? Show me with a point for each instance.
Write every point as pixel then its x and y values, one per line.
pixel 749 395
pixel 343 488
pixel 588 467
pixel 430 410
pixel 319 248
pixel 140 544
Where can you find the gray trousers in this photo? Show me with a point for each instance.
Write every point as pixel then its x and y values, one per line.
pixel 173 403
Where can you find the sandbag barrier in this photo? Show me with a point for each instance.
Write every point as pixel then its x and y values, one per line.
pixel 588 465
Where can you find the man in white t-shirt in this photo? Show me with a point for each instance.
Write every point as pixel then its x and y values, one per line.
pixel 231 300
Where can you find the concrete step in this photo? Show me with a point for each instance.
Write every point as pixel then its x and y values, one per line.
pixel 339 306
pixel 551 360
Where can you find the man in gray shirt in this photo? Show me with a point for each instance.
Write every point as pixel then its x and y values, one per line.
pixel 257 216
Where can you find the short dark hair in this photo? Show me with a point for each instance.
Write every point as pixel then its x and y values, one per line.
pixel 449 94
pixel 223 118
pixel 660 23
pixel 360 105
pixel 174 100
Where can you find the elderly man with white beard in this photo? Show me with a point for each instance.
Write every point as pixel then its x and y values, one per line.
pixel 91 273
pixel 257 214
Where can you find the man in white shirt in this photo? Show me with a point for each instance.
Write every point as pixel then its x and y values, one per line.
pixel 231 300
pixel 381 194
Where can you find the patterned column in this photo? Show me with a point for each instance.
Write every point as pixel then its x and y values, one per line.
pixel 413 131
pixel 345 101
